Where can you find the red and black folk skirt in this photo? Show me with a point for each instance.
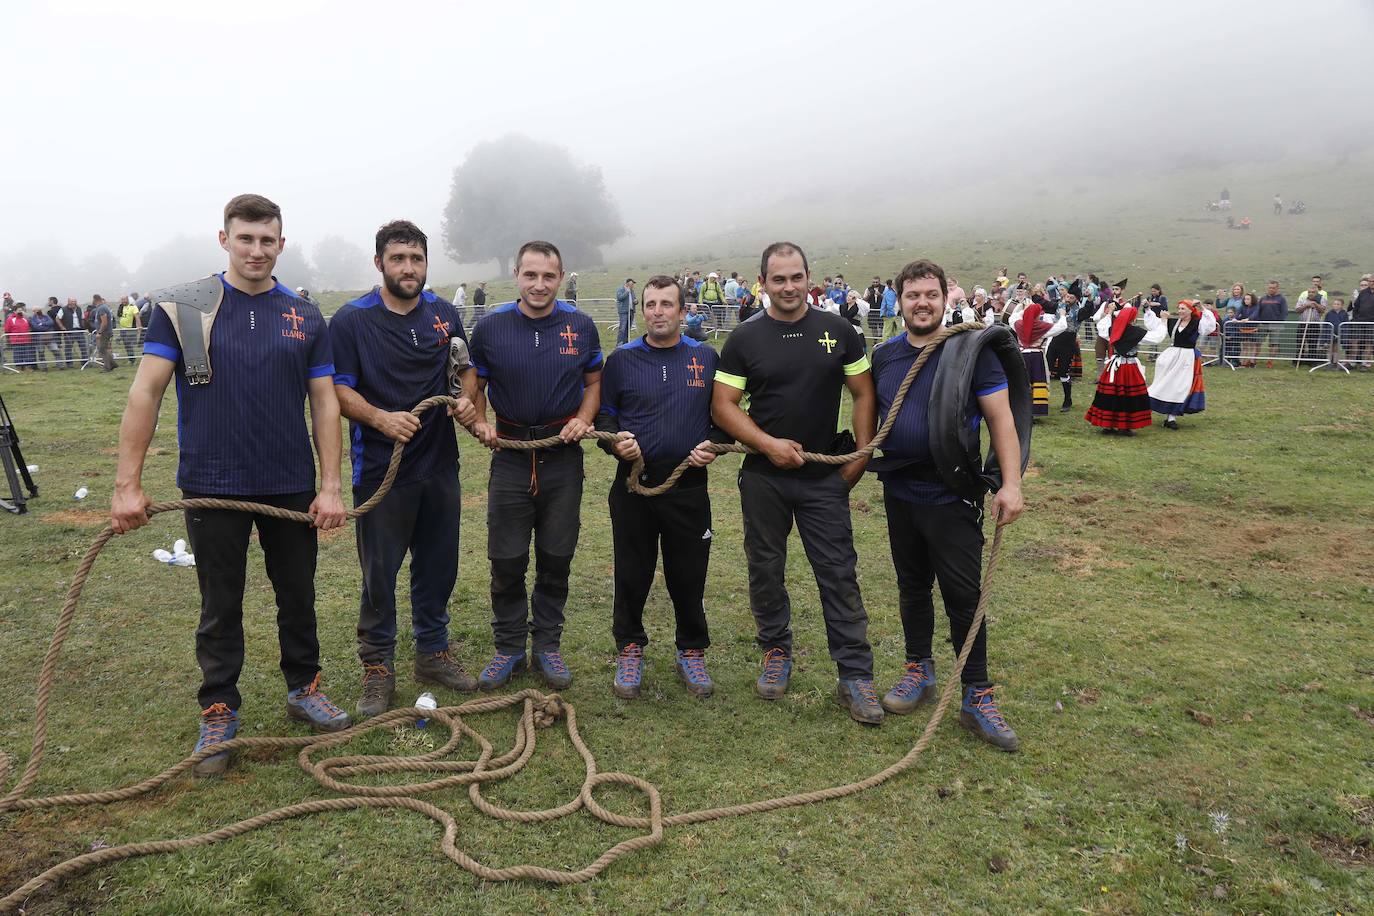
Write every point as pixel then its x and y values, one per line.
pixel 1122 400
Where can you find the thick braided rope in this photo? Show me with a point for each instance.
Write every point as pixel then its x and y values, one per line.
pixel 539 710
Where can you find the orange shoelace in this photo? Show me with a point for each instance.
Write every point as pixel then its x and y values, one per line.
pixel 773 662
pixel 984 702
pixel 311 691
pixel 215 719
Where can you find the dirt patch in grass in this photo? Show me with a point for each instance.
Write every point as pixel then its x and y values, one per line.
pixel 76 517
pixel 1085 560
pixel 473 500
pixel 1348 852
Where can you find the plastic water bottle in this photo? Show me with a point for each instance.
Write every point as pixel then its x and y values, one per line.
pixel 425 702
pixel 179 547
pixel 183 559
pixel 82 493
pixel 162 556
pixel 33 469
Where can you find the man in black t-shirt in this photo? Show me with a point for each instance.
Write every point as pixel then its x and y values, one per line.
pixel 792 361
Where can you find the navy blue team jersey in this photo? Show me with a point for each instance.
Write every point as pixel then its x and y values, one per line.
pixel 534 366
pixel 244 433
pixel 662 395
pixel 910 435
pixel 394 362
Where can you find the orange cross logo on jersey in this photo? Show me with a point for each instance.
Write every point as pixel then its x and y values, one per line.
pixel 442 327
pixel 569 336
pixel 295 329
pixel 694 367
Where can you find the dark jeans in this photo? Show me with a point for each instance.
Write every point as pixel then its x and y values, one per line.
pixel 421 517
pixel 942 542
pixel 539 496
pixel 820 507
pixel 681 520
pixel 219 539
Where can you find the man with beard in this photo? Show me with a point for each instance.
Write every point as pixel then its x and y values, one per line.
pixel 539 362
pixel 656 394
pixel 793 360
pixel 391 351
pixel 933 532
pixel 242 435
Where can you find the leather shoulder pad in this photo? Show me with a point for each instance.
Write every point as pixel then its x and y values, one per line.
pixel 203 295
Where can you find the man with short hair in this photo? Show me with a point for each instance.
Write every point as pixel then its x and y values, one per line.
pixel 571 291
pixel 391 351
pixel 102 322
pixel 479 302
pixel 1272 307
pixel 73 332
pixel 539 362
pixel 934 533
pixel 1361 332
pixel 242 435
pixel 460 303
pixel 793 360
pixel 625 311
pixel 656 395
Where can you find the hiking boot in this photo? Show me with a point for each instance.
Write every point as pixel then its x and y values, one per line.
pixel 500 670
pixel 379 690
pixel 307 704
pixel 443 669
pixel 691 670
pixel 629 671
pixel 218 724
pixel 916 686
pixel 856 695
pixel 552 669
pixel 777 671
pixel 979 714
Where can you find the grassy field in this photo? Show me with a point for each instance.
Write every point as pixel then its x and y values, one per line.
pixel 1180 630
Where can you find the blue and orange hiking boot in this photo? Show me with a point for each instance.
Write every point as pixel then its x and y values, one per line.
pixel 777 671
pixel 859 699
pixel 306 704
pixel 979 714
pixel 218 723
pixel 500 670
pixel 552 669
pixel 629 671
pixel 916 686
pixel 691 670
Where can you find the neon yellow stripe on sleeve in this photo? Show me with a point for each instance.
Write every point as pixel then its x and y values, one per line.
pixel 737 381
pixel 859 365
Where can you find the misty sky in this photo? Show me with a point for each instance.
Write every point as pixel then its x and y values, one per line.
pixel 126 124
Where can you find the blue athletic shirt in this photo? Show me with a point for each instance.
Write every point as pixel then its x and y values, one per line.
pixel 244 433
pixel 910 436
pixel 534 366
pixel 394 362
pixel 662 395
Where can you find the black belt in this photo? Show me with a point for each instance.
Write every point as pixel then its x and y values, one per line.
pixel 509 429
pixel 912 468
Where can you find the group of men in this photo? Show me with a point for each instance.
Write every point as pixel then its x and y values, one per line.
pixel 246 353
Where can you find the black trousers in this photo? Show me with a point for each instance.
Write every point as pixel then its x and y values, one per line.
pixel 943 542
pixel 219 539
pixel 680 520
pixel 420 517
pixel 820 506
pixel 539 496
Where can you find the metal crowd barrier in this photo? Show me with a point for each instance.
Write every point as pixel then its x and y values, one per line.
pixel 64 349
pixel 1250 344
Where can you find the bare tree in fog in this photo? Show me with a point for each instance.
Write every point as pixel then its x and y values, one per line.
pixel 514 189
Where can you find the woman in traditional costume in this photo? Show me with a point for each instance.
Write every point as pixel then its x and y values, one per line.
pixel 1177 387
pixel 1122 402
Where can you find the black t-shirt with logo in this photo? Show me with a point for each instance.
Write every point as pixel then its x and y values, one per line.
pixel 792 374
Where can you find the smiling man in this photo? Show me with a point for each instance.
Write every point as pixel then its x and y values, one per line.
pixel 242 435
pixel 656 394
pixel 538 361
pixel 793 361
pixel 391 351
pixel 933 532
